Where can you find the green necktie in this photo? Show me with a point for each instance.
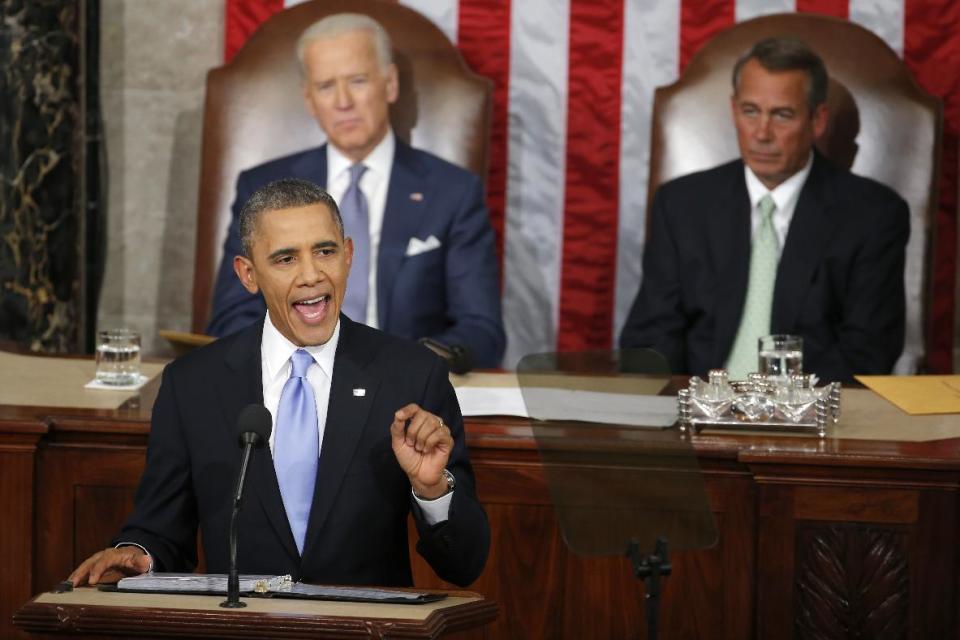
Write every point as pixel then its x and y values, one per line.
pixel 755 320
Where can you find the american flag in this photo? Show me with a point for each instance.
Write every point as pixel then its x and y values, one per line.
pixel 573 92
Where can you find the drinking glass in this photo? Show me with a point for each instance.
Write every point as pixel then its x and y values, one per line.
pixel 118 357
pixel 780 355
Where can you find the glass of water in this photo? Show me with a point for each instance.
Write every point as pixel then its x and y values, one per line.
pixel 780 355
pixel 118 357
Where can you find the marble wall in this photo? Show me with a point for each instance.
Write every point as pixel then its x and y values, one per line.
pixel 41 174
pixel 154 59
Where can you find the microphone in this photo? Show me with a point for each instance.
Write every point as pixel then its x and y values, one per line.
pixel 457 356
pixel 254 425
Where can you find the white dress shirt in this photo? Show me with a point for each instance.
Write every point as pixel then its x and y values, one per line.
pixel 785 195
pixel 374 184
pixel 275 352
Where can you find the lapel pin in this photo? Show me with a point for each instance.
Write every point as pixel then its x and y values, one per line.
pixel 359 392
pixel 416 196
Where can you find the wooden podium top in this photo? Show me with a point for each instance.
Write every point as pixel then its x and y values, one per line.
pixel 90 613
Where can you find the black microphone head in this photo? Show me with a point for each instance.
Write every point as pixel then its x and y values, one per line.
pixel 460 362
pixel 254 424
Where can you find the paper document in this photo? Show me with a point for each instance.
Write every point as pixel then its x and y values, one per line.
pixel 200 583
pixel 491 401
pixel 275 586
pixel 918 395
pixel 566 404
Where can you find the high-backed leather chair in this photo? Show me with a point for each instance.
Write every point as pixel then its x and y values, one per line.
pixel 254 111
pixel 882 125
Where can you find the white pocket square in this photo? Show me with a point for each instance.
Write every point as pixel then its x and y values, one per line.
pixel 416 246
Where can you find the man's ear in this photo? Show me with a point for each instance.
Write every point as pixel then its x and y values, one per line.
pixel 307 100
pixel 393 84
pixel 821 116
pixel 243 267
pixel 348 252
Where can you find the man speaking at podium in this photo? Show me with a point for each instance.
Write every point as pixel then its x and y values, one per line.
pixel 366 430
pixel 425 265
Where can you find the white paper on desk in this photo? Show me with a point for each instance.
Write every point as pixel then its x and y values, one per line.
pixel 491 401
pixel 198 582
pixel 567 404
pixel 217 583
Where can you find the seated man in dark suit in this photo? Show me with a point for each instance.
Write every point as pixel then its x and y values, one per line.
pixel 367 429
pixel 779 241
pixel 425 264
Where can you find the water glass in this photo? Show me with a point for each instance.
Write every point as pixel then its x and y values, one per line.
pixel 780 356
pixel 118 357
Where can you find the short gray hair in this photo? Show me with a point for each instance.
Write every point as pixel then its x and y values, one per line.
pixel 788 54
pixel 288 193
pixel 339 24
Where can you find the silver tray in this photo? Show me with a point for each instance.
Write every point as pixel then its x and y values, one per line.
pixel 815 420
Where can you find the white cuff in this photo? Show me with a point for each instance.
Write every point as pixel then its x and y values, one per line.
pixel 138 546
pixel 437 510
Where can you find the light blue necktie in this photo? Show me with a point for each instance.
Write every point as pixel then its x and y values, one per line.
pixel 755 320
pixel 356 224
pixel 296 449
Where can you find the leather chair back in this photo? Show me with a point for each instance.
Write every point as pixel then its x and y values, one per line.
pixel 254 111
pixel 882 125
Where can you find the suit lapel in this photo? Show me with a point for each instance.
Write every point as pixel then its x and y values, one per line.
pixel 810 230
pixel 242 385
pixel 347 415
pixel 729 243
pixel 402 217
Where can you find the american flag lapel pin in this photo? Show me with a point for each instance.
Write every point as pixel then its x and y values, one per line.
pixel 416 196
pixel 359 393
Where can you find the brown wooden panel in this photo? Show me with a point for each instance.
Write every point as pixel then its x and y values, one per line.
pixel 775 562
pixel 852 582
pixel 878 563
pixel 935 567
pixel 858 505
pixel 734 502
pixel 98 514
pixel 18 443
pixel 68 481
pixel 16 502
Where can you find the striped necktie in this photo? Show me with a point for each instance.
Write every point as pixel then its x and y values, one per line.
pixel 755 320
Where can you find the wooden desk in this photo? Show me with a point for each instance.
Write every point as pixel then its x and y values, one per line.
pixel 89 613
pixel 814 536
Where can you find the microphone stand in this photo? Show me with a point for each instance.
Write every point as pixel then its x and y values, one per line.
pixel 651 567
pixel 233 578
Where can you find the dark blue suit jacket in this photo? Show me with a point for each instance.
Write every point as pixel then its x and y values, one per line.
pixel 450 294
pixel 839 282
pixel 357 533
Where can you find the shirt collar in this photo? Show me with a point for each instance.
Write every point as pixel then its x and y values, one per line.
pixel 785 193
pixel 378 161
pixel 275 350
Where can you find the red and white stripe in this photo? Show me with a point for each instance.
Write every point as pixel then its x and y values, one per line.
pixel 574 82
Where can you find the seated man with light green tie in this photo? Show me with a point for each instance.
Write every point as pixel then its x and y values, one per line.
pixel 777 241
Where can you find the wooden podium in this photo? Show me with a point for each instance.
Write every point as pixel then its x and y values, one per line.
pixel 90 613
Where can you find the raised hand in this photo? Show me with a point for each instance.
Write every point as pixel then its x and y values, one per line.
pixel 422 444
